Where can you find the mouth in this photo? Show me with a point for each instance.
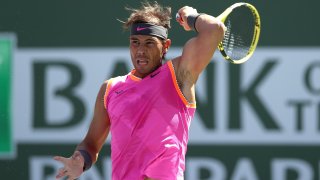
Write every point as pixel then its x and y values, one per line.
pixel 142 61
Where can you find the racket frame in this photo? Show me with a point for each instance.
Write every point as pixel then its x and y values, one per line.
pixel 223 16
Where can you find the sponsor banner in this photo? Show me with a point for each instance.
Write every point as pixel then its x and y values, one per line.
pixel 206 162
pixel 258 120
pixel 274 98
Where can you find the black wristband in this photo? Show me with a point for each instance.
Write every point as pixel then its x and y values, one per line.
pixel 87 159
pixel 191 20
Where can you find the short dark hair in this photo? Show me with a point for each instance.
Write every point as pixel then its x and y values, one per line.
pixel 149 13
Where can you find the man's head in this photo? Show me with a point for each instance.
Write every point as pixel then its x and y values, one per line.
pixel 149 36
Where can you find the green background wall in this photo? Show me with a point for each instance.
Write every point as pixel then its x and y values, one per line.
pixel 94 23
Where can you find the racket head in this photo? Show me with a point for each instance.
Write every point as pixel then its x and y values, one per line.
pixel 243 31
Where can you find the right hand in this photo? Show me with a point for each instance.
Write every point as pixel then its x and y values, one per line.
pixel 182 15
pixel 73 166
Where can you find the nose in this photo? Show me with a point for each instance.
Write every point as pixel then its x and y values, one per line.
pixel 141 50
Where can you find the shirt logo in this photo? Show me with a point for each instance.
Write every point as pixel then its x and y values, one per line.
pixel 141 28
pixel 119 92
pixel 153 75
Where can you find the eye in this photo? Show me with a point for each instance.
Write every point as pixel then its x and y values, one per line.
pixel 134 43
pixel 150 43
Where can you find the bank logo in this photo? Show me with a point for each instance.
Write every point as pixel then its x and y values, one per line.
pixel 7 43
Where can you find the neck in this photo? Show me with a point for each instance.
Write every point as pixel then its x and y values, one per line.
pixel 143 75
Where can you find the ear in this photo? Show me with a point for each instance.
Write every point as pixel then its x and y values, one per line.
pixel 166 46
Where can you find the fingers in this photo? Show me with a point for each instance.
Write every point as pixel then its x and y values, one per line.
pixel 178 18
pixel 60 159
pixel 73 166
pixel 182 15
pixel 64 172
pixel 185 11
pixel 61 173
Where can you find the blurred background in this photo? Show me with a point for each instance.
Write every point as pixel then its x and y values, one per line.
pixel 255 121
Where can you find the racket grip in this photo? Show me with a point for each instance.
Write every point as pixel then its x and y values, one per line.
pixel 178 18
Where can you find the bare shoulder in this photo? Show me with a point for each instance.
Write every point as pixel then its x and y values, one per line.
pixel 103 86
pixel 101 93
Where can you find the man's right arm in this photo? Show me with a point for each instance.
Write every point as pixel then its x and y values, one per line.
pixel 87 151
pixel 99 128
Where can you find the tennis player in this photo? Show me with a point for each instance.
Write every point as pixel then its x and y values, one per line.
pixel 149 110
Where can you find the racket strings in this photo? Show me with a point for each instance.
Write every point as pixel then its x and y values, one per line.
pixel 240 31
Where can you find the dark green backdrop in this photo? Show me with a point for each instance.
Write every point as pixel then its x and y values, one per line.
pixel 83 23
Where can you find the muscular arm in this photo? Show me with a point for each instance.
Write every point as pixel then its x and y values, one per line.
pixel 99 128
pixel 92 143
pixel 198 51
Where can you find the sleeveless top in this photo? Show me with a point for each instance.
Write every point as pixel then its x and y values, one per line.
pixel 150 120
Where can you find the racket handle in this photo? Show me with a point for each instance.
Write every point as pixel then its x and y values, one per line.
pixel 178 18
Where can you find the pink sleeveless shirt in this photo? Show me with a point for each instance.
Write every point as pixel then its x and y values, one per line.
pixel 150 121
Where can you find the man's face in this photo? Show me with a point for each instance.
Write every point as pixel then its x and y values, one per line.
pixel 146 54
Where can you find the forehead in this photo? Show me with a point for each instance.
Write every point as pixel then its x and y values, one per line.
pixel 144 38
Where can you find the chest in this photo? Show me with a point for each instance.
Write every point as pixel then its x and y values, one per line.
pixel 138 97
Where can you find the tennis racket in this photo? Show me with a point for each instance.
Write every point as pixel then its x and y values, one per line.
pixel 243 30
